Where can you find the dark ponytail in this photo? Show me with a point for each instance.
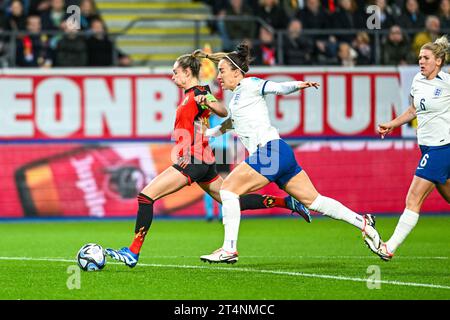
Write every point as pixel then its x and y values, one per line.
pixel 241 57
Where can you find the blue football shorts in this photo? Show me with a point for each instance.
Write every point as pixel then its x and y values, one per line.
pixel 275 161
pixel 434 165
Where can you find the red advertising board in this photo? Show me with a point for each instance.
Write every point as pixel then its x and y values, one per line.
pixel 93 106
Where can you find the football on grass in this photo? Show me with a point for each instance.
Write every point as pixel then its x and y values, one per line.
pixel 91 257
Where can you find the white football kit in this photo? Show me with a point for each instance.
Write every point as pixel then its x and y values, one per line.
pixel 249 113
pixel 432 103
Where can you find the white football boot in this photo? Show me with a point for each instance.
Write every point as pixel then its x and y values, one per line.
pixel 384 253
pixel 372 239
pixel 220 256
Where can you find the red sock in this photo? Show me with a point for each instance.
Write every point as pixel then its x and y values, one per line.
pixel 138 241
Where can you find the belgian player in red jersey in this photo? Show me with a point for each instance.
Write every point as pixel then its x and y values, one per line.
pixel 194 161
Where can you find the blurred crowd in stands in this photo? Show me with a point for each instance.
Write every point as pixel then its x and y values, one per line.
pixel 405 26
pixel 49 37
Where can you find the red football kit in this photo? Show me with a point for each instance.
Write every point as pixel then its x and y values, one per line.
pixel 190 121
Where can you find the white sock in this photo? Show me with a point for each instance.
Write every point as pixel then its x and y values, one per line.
pixel 336 210
pixel 231 217
pixel 406 223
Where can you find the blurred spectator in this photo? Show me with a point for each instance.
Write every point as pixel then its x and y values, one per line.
pixel 52 18
pixel 431 33
pixel 396 49
pixel 264 48
pixel 330 6
pixel 429 7
pixel 271 12
pixel 313 16
pixel 124 59
pixel 33 49
pixel 291 7
pixel 3 38
pixel 88 13
pixel 37 7
pixel 361 44
pixel 71 50
pixel 2 16
pixel 346 55
pixel 238 30
pixel 297 48
pixel 411 17
pixel 444 14
pixel 386 18
pixel 218 8
pixel 16 21
pixel 325 50
pixel 216 5
pixel 346 17
pixel 252 4
pixel 100 48
pixel 395 8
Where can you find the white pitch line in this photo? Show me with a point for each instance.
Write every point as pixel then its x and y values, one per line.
pixel 320 257
pixel 232 268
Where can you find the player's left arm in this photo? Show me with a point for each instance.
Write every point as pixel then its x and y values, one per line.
pixel 210 102
pixel 287 87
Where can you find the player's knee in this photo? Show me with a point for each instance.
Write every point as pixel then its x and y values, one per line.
pixel 229 185
pixel 225 185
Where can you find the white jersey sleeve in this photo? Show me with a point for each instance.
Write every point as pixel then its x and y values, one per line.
pixel 271 87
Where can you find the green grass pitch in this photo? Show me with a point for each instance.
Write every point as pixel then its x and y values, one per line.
pixel 280 258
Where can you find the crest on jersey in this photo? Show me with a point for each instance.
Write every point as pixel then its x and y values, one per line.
pixel 185 101
pixel 437 92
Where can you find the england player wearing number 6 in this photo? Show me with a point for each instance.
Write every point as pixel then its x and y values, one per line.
pixel 430 103
pixel 271 159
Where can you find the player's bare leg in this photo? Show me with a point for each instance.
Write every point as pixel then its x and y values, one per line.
pixel 213 188
pixel 417 193
pixel 169 181
pixel 301 188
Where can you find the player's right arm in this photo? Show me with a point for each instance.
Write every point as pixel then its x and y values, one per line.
pixel 385 128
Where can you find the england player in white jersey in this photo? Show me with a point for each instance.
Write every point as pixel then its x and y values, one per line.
pixel 271 159
pixel 430 103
